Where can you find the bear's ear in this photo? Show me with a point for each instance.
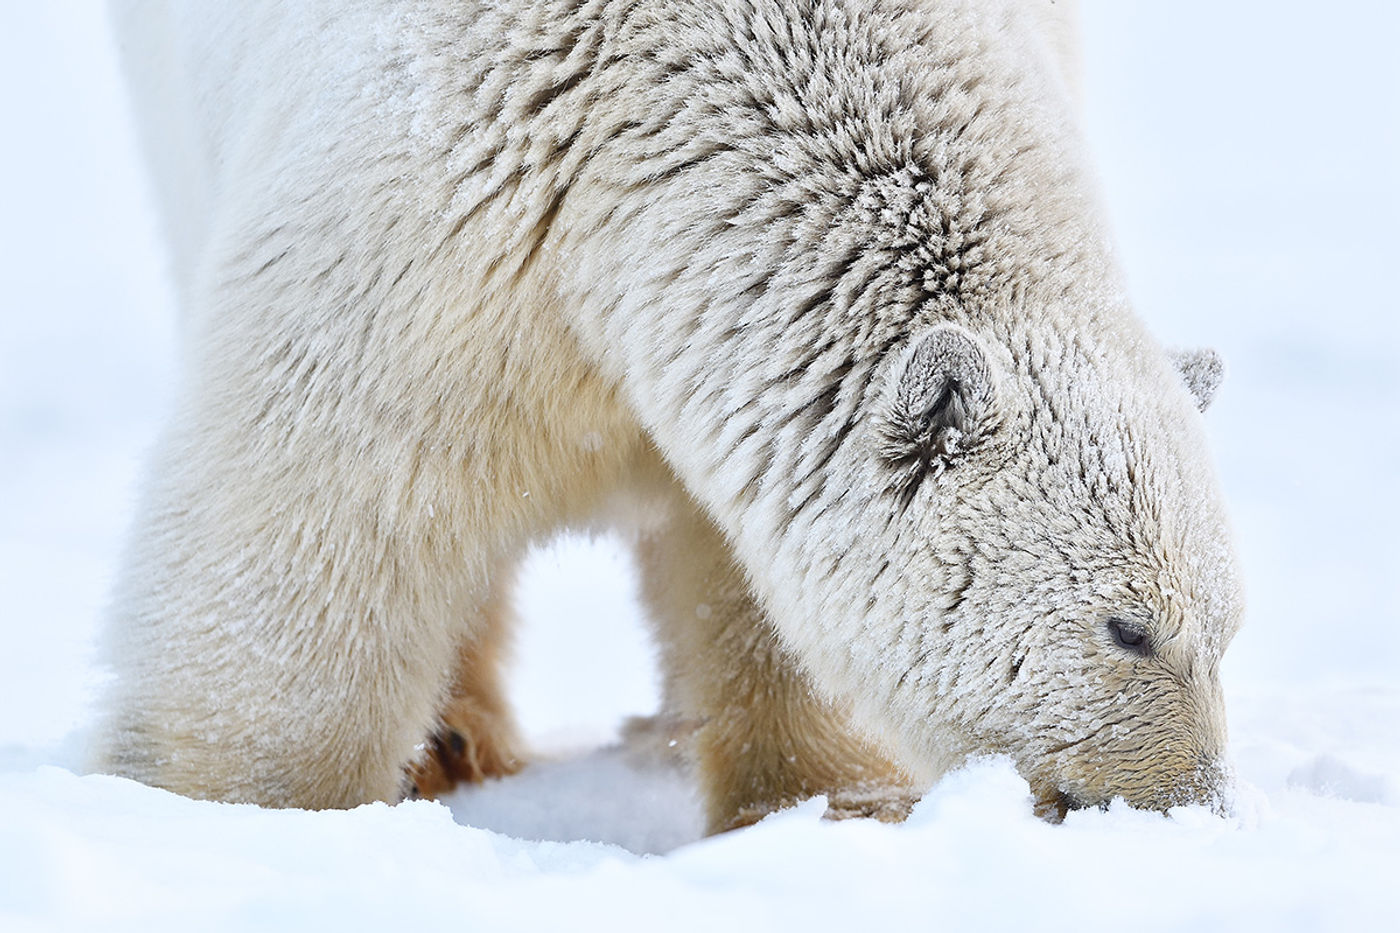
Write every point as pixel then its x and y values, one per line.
pixel 1202 370
pixel 937 408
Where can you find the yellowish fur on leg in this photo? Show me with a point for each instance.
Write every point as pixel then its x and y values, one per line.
pixel 763 739
pixel 477 738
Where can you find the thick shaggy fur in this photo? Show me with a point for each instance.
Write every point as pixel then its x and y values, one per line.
pixel 810 292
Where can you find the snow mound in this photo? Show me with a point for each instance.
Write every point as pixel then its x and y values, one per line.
pixel 79 852
pixel 1333 777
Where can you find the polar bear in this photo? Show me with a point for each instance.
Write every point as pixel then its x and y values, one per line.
pixel 810 294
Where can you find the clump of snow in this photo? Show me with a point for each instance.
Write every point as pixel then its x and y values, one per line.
pixel 605 795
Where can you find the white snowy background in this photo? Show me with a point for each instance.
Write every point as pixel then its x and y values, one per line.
pixel 1249 155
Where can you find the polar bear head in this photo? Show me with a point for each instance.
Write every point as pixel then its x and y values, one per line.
pixel 1069 585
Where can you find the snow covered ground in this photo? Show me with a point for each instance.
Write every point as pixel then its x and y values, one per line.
pixel 1249 156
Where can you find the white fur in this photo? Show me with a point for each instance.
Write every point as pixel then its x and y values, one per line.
pixel 455 274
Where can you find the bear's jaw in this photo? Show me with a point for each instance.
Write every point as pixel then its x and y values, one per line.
pixel 1208 782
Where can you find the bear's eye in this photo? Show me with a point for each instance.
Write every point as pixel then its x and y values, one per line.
pixel 1130 636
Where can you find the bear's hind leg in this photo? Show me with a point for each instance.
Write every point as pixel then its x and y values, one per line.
pixel 764 739
pixel 476 737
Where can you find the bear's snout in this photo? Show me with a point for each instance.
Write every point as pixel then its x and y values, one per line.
pixel 1205 782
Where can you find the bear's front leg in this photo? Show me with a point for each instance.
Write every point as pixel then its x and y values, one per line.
pixel 303 571
pixel 765 740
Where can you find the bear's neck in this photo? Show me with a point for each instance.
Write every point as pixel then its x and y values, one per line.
pixel 771 207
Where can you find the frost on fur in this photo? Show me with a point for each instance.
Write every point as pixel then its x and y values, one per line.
pixel 813 297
